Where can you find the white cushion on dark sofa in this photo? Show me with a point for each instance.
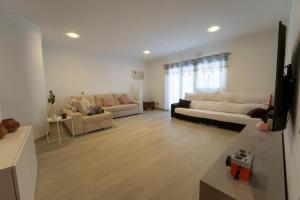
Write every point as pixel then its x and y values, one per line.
pixel 215 115
pixel 222 106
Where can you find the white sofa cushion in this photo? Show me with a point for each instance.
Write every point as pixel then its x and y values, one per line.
pixel 228 97
pixel 121 107
pixel 228 107
pixel 97 118
pixel 215 115
pixel 205 96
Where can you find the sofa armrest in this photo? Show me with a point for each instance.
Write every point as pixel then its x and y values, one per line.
pixel 139 104
pixel 77 121
pixel 135 102
pixel 173 106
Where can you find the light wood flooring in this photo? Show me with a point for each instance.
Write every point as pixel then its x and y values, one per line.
pixel 143 157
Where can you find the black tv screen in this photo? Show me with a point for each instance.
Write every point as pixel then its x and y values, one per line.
pixel 280 104
pixel 286 78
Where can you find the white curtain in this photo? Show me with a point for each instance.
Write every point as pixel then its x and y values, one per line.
pixel 207 74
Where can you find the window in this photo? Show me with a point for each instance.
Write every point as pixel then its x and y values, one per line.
pixel 207 74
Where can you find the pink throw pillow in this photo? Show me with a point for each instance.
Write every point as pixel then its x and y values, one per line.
pixel 107 101
pixel 124 99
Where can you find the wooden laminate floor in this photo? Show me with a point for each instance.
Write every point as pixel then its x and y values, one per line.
pixel 146 156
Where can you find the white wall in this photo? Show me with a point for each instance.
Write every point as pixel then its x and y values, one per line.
pixel 292 133
pixel 1 113
pixel 251 65
pixel 71 71
pixel 22 80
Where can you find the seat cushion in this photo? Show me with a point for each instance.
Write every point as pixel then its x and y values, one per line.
pixel 215 115
pixel 121 107
pixel 96 118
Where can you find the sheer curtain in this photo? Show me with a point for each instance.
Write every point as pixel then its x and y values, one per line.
pixel 211 74
pixel 206 74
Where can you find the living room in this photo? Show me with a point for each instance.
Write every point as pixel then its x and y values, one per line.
pixel 149 100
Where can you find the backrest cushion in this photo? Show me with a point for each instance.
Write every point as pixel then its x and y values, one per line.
pixel 117 97
pixel 124 99
pixel 228 107
pixel 228 97
pixel 108 101
pixel 99 97
pixel 252 98
pixel 205 96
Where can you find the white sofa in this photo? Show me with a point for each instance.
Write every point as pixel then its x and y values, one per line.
pixel 224 109
pixel 84 123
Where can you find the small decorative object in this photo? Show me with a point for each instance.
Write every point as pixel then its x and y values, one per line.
pixel 51 100
pixel 241 164
pixel 262 126
pixel 3 131
pixel 11 125
pixel 64 116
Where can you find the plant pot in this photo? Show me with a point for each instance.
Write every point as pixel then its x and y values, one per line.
pixel 64 116
pixel 3 131
pixel 11 125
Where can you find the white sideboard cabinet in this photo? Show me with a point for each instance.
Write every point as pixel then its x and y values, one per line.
pixel 18 165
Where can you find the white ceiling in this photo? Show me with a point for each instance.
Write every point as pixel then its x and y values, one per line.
pixel 127 27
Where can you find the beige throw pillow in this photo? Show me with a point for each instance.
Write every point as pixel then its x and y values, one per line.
pixel 87 103
pixel 73 101
pixel 74 109
pixel 83 106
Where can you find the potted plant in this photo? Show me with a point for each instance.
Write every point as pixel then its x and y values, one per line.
pixel 51 101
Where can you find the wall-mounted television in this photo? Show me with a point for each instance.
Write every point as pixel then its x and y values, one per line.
pixel 285 82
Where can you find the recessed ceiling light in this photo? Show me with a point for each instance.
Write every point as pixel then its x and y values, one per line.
pixel 213 29
pixel 72 35
pixel 146 52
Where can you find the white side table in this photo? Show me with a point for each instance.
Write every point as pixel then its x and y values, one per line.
pixel 59 123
